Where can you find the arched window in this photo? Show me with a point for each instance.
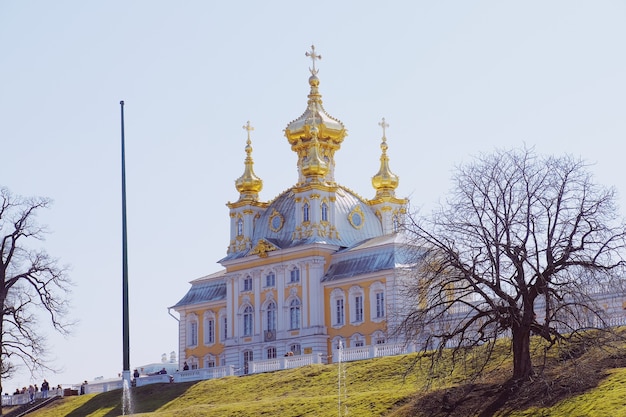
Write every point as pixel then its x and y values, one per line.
pixel 357 340
pixel 247 283
pixel 295 348
pixel 295 274
pixel 305 212
pixel 294 314
pixel 378 338
pixel 209 361
pixel 247 321
pixel 324 212
pixel 396 224
pixel 270 352
pixel 240 227
pixel 271 316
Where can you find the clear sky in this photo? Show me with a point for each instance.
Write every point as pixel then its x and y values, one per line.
pixel 452 79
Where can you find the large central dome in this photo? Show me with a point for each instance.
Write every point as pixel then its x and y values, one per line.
pixel 315 120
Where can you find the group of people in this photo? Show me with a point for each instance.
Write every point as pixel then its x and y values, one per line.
pixel 33 389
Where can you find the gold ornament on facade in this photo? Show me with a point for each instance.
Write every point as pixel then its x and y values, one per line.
pixel 276 221
pixel 262 248
pixel 356 217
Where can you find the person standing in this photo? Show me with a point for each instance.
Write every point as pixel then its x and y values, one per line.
pixel 45 387
pixel 31 394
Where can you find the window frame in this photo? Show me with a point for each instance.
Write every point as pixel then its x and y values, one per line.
pixel 358 308
pixel 294 275
pixel 248 321
pixel 270 316
pixel 324 210
pixel 270 352
pixel 209 328
pixel 247 284
pixel 295 314
pixel 306 212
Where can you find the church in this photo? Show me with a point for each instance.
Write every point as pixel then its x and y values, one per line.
pixel 310 271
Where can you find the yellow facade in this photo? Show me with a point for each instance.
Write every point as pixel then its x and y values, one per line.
pixel 311 268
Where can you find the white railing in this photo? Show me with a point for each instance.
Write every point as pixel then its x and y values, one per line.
pixel 374 351
pixel 286 362
pixel 152 379
pixel 203 373
pixel 20 399
pixel 96 387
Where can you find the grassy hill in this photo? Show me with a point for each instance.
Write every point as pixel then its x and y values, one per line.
pixel 575 381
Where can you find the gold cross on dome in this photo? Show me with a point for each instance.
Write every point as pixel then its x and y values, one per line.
pixel 313 57
pixel 249 128
pixel 384 125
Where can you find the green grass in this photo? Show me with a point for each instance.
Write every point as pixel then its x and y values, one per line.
pixel 594 384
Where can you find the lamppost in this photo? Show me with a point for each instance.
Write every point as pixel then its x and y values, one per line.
pixel 125 321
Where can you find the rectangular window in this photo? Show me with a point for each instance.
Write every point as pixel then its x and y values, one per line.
pixel 210 363
pixel 270 280
pixel 209 331
pixel 224 328
pixel 380 305
pixel 359 343
pixel 339 311
pixel 358 308
pixel 247 284
pixel 193 333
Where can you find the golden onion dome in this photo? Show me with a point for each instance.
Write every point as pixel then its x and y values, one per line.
pixel 385 181
pixel 248 185
pixel 330 131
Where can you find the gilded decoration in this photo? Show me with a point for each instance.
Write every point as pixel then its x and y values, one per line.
pixel 262 248
pixel 356 217
pixel 276 221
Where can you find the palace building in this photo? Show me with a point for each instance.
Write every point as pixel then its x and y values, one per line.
pixel 309 271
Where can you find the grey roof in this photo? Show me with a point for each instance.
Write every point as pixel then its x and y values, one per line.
pixel 284 204
pixel 202 292
pixel 372 255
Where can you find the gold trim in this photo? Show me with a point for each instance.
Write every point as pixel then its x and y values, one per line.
pixel 356 210
pixel 271 221
pixel 262 248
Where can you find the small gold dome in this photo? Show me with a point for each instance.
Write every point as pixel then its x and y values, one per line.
pixel 249 185
pixel 385 182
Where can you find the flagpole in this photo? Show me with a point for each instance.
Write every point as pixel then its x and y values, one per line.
pixel 125 321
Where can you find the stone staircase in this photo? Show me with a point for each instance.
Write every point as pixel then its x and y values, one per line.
pixel 29 408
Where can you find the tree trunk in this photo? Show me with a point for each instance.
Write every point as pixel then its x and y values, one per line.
pixel 522 365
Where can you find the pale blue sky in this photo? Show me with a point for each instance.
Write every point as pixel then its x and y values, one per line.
pixel 452 79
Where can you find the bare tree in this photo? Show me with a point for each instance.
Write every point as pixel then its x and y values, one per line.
pixel 525 245
pixel 32 285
